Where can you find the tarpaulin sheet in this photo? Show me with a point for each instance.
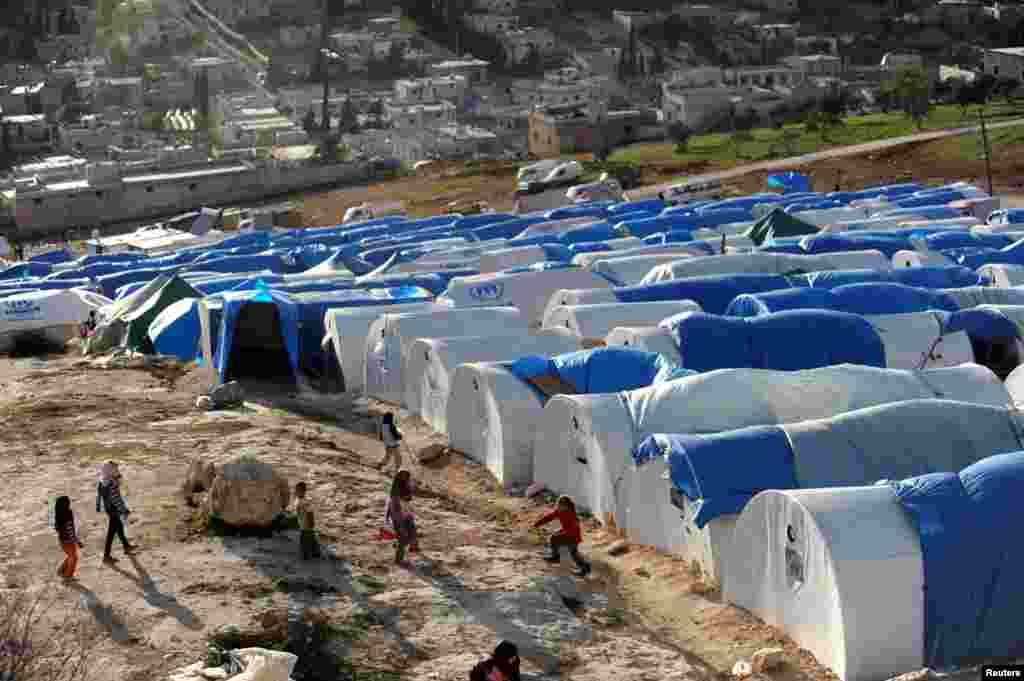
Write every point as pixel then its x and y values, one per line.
pixel 969 524
pixel 642 204
pixel 61 255
pixel 176 330
pixel 673 236
pixel 713 293
pixel 234 303
pixel 783 341
pixel 601 370
pixel 947 276
pixel 853 241
pixel 723 471
pixel 868 299
pixel 244 263
pixel 983 323
pixel 790 182
pixel 506 229
pixel 598 231
pixel 26 269
pixel 956 239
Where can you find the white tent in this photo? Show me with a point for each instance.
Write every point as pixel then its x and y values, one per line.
pixel 554 226
pixel 887 441
pixel 501 259
pixel 346 333
pixel 1003 276
pixel 55 316
pixel 903 259
pixel 391 335
pixel 1015 386
pixel 767 263
pixel 954 224
pixel 973 296
pixel 603 429
pixel 433 362
pixel 595 322
pixel 579 296
pixel 491 418
pixel 839 571
pixel 435 266
pixel 678 250
pixel 630 270
pixel 915 340
pixel 647 338
pixel 528 291
pixel 828 216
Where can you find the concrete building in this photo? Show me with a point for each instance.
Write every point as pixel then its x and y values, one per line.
pixel 819 65
pixel 519 45
pixel 1005 62
pixel 779 6
pixel 563 87
pixel 126 93
pixel 497 6
pixel 449 142
pixel 555 131
pixel 421 116
pixel 777 32
pixel 634 21
pixel 699 97
pixel 423 90
pixel 492 24
pixel 702 16
pixel 474 70
pixel 27 134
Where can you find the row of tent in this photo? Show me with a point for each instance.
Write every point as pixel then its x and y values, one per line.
pixel 605 349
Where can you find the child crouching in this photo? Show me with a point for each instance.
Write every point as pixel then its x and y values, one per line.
pixel 309 546
pixel 569 535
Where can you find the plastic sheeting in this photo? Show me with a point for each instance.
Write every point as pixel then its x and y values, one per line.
pixel 234 305
pixel 595 322
pixel 176 330
pixel 767 263
pixel 972 595
pixel 972 296
pixel 924 277
pixel 865 299
pixel 712 293
pixel 786 341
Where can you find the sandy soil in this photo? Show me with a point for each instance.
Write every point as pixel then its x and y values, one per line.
pixel 480 577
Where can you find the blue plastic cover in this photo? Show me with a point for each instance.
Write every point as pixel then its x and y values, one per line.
pixel 179 330
pixel 506 229
pixel 56 257
pixel 956 239
pixel 244 263
pixel 982 323
pixel 969 524
pixel 783 341
pixel 475 221
pixel 673 236
pixel 561 253
pixel 713 293
pixel 784 247
pixel 790 182
pixel 653 205
pixel 221 284
pixel 945 276
pixel 586 210
pixel 17 285
pixel 234 303
pixel 867 299
pixel 645 227
pixel 23 270
pixel 724 470
pixel 854 241
pixel 588 247
pixel 111 282
pixel 601 370
pixel 597 231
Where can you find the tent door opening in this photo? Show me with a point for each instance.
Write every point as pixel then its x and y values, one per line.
pixel 1001 355
pixel 258 350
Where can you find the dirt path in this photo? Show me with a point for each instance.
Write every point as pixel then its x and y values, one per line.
pixel 480 578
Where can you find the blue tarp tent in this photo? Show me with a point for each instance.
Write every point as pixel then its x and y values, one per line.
pixel 852 241
pixel 176 330
pixel 46 285
pixel 941 241
pixel 597 231
pixel 259 336
pixel 724 470
pixel 601 370
pixel 783 341
pixel 111 282
pixel 713 293
pixel 506 229
pixel 969 524
pixel 790 182
pixel 948 276
pixel 57 257
pixel 870 298
pixel 25 270
pixel 244 263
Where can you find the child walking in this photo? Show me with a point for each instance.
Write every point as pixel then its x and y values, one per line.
pixel 108 499
pixel 309 547
pixel 392 438
pixel 401 519
pixel 67 534
pixel 569 535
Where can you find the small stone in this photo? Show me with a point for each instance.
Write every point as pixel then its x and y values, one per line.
pixel 642 572
pixel 742 669
pixel 213 673
pixel 618 548
pixel 766 659
pixel 204 403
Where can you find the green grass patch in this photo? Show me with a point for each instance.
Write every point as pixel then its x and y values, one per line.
pixel 368 584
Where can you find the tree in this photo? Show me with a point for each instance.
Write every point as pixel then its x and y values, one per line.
pixel 910 89
pixel 309 121
pixel 199 40
pixel 680 133
pixel 349 122
pixel 119 57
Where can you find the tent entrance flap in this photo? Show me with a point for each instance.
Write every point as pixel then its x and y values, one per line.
pixel 1000 354
pixel 258 349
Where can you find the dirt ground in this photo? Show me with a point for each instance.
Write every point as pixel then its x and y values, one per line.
pixel 430 191
pixel 643 617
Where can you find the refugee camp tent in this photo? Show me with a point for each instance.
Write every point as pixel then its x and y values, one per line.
pixel 176 331
pixel 138 321
pixel 602 430
pixel 593 323
pixel 779 224
pixel 766 263
pixel 903 258
pixel 390 337
pixel 899 576
pixel 111 329
pixel 972 296
pixel 346 330
pixel 1003 276
pixel 48 318
pixel 671 250
pixel 870 298
pixel 433 361
pixel 529 291
pixel 493 407
pixel 631 270
pixel 718 474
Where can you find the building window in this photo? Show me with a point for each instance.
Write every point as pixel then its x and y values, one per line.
pixel 149 189
pixel 99 195
pixel 38 202
pixel 192 187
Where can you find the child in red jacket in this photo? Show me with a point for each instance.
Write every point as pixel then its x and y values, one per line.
pixel 569 536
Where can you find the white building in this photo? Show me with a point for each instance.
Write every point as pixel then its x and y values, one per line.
pixel 821 65
pixel 1005 62
pixel 433 116
pixel 565 86
pixel 475 70
pixel 423 90
pixel 496 6
pixel 492 24
pixel 634 21
pixel 519 45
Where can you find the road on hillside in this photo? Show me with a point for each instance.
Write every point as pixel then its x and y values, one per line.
pixel 826 155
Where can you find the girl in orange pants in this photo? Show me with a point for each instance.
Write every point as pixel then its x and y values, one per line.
pixel 67 535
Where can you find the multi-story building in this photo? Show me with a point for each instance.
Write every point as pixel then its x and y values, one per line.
pixel 474 70
pixel 421 116
pixel 1005 62
pixel 423 90
pixel 555 131
pixel 519 45
pixel 818 65
pixel 562 87
pixel 698 97
pixel 496 6
pixel 492 24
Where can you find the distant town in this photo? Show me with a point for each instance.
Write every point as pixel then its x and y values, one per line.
pixel 121 110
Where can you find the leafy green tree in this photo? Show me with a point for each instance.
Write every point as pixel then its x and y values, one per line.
pixel 199 40
pixel 680 134
pixel 910 90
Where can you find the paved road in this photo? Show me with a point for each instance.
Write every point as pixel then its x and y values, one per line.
pixel 828 154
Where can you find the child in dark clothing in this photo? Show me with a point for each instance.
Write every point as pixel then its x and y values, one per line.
pixel 569 536
pixel 108 498
pixel 401 518
pixel 505 659
pixel 67 535
pixel 392 438
pixel 309 547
